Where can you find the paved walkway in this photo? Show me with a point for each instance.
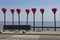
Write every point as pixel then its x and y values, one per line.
pixel 34 33
pixel 29 37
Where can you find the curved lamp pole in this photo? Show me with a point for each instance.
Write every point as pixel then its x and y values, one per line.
pixel 42 12
pixel 34 10
pixel 54 11
pixel 27 12
pixel 4 11
pixel 18 11
pixel 12 11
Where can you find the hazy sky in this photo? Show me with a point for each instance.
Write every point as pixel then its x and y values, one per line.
pixel 24 4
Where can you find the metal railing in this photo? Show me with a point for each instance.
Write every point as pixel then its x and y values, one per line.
pixel 55 28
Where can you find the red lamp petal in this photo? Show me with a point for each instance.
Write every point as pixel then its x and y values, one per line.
pixel 27 11
pixel 54 10
pixel 4 10
pixel 42 11
pixel 18 11
pixel 33 10
pixel 12 11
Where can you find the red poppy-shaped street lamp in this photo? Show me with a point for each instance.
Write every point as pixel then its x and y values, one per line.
pixel 42 12
pixel 18 11
pixel 34 10
pixel 4 11
pixel 54 11
pixel 12 11
pixel 27 12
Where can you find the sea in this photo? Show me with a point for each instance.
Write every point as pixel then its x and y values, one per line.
pixel 37 24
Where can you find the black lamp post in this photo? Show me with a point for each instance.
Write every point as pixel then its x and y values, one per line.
pixel 12 11
pixel 42 12
pixel 18 11
pixel 27 12
pixel 34 10
pixel 4 11
pixel 54 11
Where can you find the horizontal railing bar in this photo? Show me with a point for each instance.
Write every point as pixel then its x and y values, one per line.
pixel 45 27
